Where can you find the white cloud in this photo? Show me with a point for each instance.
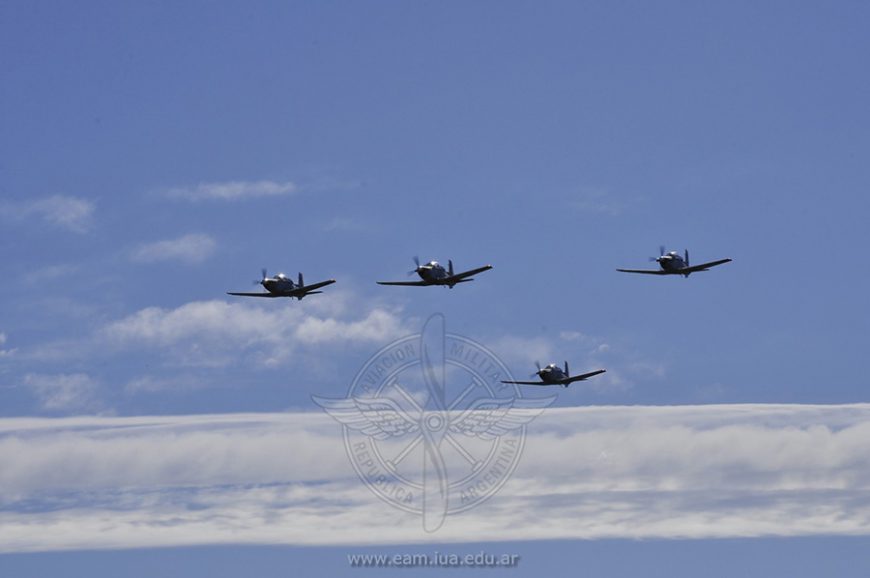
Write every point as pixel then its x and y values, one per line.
pixel 5 352
pixel 151 383
pixel 232 190
pixel 63 391
pixel 525 350
pixel 192 248
pixel 71 213
pixel 593 472
pixel 218 332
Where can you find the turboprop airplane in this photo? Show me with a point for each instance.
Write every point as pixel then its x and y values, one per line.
pixel 433 273
pixel 673 264
pixel 554 375
pixel 282 286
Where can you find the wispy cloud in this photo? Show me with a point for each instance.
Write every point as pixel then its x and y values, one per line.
pixel 71 213
pixel 596 472
pixel 5 352
pixel 175 382
pixel 584 353
pixel 597 200
pixel 232 190
pixel 50 272
pixel 192 248
pixel 347 225
pixel 63 392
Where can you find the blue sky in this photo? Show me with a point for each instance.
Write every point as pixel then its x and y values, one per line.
pixel 154 156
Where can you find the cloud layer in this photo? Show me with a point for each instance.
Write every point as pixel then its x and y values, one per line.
pixel 643 472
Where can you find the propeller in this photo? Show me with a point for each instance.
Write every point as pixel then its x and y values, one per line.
pixel 417 263
pixel 538 365
pixel 661 254
pixel 687 257
pixel 260 281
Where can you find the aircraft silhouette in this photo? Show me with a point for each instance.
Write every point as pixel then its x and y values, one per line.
pixel 554 375
pixel 433 273
pixel 282 286
pixel 673 264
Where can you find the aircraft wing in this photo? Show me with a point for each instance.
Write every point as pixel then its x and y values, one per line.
pixel 313 286
pixel 465 274
pixel 581 377
pixel 420 283
pixel 704 266
pixel 529 382
pixel 254 294
pixel 645 271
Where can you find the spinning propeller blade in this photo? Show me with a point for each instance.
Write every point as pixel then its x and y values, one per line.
pixel 661 254
pixel 417 263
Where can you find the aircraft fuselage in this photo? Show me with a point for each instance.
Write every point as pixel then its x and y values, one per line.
pixel 672 262
pixel 432 272
pixel 279 284
pixel 552 374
